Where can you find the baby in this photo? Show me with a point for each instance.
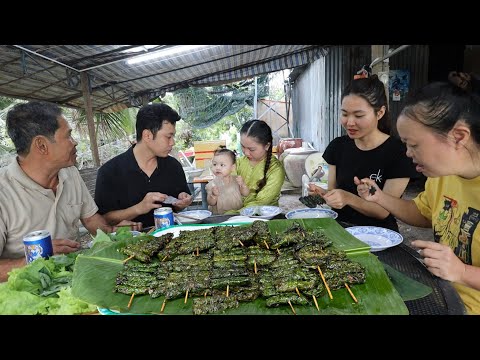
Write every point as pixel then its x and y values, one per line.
pixel 225 191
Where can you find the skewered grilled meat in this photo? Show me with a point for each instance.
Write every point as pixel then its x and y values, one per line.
pixel 260 256
pixel 312 201
pixel 223 262
pixel 285 298
pixel 262 234
pixel 146 247
pixel 228 237
pixel 292 235
pixel 337 273
pixel 213 304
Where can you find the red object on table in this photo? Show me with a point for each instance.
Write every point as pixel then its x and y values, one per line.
pixel 288 143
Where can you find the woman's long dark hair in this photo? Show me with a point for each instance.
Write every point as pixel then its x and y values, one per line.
pixel 261 132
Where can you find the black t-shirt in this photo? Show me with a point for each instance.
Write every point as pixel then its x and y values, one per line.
pixel 387 161
pixel 121 183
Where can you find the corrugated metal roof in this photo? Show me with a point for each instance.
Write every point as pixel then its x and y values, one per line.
pixel 53 72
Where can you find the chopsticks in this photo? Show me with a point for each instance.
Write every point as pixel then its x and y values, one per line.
pixel 187 217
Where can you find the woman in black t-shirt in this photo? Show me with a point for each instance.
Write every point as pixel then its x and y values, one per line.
pixel 366 151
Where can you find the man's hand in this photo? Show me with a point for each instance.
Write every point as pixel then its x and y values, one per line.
pixel 151 201
pixel 65 246
pixel 184 200
pixel 138 226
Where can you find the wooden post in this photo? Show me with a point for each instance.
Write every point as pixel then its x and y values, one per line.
pixel 90 121
pixel 145 99
pixel 383 67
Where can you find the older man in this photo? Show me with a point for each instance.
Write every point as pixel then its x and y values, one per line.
pixel 41 188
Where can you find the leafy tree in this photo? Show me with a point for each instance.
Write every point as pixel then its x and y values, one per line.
pixel 108 126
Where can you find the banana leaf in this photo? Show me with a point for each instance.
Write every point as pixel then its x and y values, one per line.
pixel 95 273
pixel 408 288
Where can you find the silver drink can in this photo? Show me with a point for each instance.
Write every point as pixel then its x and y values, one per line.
pixel 37 244
pixel 163 217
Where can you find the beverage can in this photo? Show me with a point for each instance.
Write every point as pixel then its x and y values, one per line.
pixel 37 244
pixel 163 217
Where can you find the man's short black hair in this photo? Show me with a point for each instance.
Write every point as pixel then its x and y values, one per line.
pixel 152 116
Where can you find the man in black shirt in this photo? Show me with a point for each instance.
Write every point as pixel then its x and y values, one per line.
pixel 131 185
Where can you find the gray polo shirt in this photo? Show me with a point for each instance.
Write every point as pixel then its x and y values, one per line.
pixel 26 206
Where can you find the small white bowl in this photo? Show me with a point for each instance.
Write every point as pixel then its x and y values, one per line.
pixel 266 212
pixel 199 214
pixel 315 213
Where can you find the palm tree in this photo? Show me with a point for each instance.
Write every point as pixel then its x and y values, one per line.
pixel 6 145
pixel 108 126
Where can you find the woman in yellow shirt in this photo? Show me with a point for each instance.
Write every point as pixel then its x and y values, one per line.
pixel 441 128
pixel 263 173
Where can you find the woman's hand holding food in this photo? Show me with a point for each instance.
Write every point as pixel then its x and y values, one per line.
pixel 367 189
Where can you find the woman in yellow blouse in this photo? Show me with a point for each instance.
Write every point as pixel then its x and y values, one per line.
pixel 263 173
pixel 440 127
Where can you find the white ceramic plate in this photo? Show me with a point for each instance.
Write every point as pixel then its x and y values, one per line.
pixel 377 237
pixel 175 230
pixel 266 212
pixel 314 213
pixel 199 214
pixel 242 219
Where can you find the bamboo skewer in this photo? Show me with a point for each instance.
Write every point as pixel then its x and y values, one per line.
pixel 228 288
pixel 265 242
pixel 255 266
pixel 163 305
pixel 151 230
pixel 131 299
pixel 315 301
pixel 197 251
pixel 298 292
pixel 130 257
pixel 241 243
pixel 351 293
pixel 289 303
pixel 326 285
pixel 186 297
pixel 164 258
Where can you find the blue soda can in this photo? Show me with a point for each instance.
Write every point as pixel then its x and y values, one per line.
pixel 37 244
pixel 163 217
